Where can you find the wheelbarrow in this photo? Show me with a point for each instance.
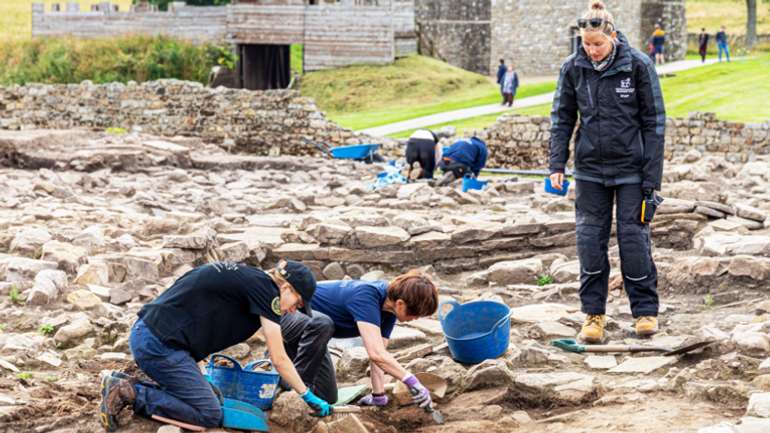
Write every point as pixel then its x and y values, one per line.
pixel 356 152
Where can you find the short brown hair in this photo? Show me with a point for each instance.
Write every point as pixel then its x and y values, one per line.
pixel 417 291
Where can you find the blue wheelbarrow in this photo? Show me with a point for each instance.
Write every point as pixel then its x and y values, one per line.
pixel 356 152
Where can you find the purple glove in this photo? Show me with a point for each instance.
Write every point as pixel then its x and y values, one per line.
pixel 379 400
pixel 420 394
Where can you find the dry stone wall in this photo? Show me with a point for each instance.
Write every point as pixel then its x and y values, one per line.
pixel 520 141
pixel 261 123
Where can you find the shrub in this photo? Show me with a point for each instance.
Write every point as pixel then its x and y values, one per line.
pixel 122 59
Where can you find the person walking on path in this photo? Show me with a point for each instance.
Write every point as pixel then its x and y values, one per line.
pixel 510 85
pixel 208 309
pixel 658 42
pixel 722 44
pixel 612 90
pixel 501 70
pixel 703 44
pixel 366 309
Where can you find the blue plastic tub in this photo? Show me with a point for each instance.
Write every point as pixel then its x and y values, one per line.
pixel 257 388
pixel 550 189
pixel 357 151
pixel 472 183
pixel 476 331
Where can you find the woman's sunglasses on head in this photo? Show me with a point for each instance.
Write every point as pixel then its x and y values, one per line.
pixel 594 23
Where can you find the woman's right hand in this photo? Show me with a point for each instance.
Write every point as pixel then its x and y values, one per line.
pixel 557 180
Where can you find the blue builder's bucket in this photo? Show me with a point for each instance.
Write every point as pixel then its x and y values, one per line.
pixel 257 388
pixel 477 330
pixel 472 183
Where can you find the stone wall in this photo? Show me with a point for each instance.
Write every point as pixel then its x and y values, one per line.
pixel 456 31
pixel 522 142
pixel 261 123
pixel 537 35
pixel 670 14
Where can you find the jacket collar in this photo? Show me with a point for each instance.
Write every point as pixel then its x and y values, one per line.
pixel 622 61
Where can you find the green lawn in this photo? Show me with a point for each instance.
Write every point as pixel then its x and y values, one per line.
pixel 365 96
pixel 737 91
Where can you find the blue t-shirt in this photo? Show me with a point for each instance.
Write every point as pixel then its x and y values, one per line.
pixel 349 301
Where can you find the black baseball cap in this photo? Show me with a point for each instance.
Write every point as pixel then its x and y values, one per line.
pixel 301 279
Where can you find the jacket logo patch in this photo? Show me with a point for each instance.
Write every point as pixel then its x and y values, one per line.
pixel 276 306
pixel 625 90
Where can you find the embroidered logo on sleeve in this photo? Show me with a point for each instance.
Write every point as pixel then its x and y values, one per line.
pixel 625 90
pixel 276 305
pixel 225 266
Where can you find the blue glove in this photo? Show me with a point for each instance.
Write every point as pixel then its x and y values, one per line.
pixel 320 407
pixel 420 394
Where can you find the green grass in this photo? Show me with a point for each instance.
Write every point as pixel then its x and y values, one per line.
pixel 365 96
pixel 731 13
pixel 736 91
pixel 296 58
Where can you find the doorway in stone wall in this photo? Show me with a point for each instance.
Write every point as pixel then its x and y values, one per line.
pixel 263 67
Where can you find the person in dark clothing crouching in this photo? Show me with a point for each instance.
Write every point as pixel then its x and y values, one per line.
pixel 208 309
pixel 463 157
pixel 352 308
pixel 618 163
pixel 421 149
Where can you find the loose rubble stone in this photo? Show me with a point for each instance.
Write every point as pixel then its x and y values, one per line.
pixel 334 271
pixel 759 405
pixel 515 272
pixel 373 276
pixel 83 299
pixel 71 334
pixel 48 285
pixel 750 213
pixel 29 242
pixel 492 372
pixel 373 237
pixel 600 362
pixel 644 365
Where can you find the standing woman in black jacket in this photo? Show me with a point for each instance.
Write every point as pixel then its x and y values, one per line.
pixel 612 90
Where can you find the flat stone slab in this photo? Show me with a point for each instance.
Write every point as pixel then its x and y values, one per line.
pixel 644 365
pixel 600 362
pixel 540 313
pixel 428 326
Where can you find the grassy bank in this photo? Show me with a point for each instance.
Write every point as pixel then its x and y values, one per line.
pixel 138 58
pixel 365 96
pixel 736 91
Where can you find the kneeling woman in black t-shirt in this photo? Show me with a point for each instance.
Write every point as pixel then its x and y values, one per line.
pixel 208 309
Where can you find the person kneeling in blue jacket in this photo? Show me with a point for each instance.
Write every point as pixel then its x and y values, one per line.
pixel 463 157
pixel 353 308
pixel 208 309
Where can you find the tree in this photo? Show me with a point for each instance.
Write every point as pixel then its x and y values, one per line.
pixel 751 24
pixel 163 4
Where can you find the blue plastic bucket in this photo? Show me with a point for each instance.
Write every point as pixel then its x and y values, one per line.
pixel 472 183
pixel 257 388
pixel 356 151
pixel 477 330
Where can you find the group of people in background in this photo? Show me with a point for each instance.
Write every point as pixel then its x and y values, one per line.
pixel 657 42
pixel 508 81
pixel 722 44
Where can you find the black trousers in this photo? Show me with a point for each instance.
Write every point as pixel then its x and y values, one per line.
pixel 305 340
pixel 593 208
pixel 424 153
pixel 458 169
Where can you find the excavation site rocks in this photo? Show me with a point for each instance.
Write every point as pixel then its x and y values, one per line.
pixel 94 225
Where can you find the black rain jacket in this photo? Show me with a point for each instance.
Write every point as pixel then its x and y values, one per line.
pixel 621 135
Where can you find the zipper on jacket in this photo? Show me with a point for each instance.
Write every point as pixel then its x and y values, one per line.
pixel 590 97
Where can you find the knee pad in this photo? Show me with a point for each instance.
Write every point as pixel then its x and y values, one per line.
pixel 635 259
pixel 591 248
